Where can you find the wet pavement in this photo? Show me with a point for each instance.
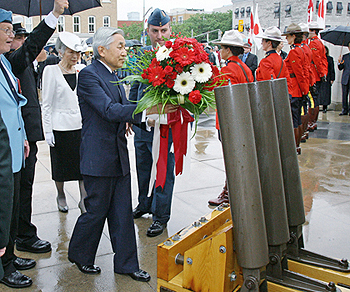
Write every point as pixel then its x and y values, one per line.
pixel 325 174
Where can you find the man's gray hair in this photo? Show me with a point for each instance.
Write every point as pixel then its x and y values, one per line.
pixel 60 47
pixel 104 37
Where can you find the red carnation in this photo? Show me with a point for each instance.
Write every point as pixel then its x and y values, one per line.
pixel 195 96
pixel 168 44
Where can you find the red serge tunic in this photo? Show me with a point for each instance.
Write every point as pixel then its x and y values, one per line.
pixel 295 63
pixel 319 60
pixel 308 57
pixel 233 72
pixel 272 66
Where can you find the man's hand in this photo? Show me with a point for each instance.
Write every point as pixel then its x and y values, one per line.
pixel 2 251
pixel 26 149
pixel 59 6
pixel 151 122
pixel 168 108
pixel 128 129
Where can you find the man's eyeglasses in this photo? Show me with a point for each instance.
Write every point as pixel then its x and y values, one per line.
pixel 8 31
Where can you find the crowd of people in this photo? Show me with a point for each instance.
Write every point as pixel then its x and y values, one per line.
pixel 85 118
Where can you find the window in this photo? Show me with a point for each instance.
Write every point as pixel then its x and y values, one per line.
pixel 236 12
pixel 92 24
pixel 174 19
pixel 277 12
pixel 60 24
pixel 242 11
pixel 28 24
pixel 181 20
pixel 339 7
pixel 106 21
pixel 76 24
pixel 329 7
pixel 317 5
pixel 288 10
pixel 348 8
pixel 247 10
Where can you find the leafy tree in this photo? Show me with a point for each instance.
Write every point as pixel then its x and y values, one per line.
pixel 132 31
pixel 204 22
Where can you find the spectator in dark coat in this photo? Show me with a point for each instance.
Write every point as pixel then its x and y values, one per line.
pixel 326 87
pixel 249 59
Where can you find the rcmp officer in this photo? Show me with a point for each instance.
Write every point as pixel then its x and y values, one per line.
pixel 272 65
pixel 299 83
pixel 159 203
pixel 319 66
pixel 236 72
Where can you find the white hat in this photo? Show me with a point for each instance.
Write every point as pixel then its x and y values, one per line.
pixel 72 41
pixel 272 33
pixel 231 38
pixel 314 25
pixel 304 27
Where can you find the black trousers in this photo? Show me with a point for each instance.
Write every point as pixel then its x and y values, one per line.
pixel 27 231
pixel 9 256
pixel 345 97
pixel 107 198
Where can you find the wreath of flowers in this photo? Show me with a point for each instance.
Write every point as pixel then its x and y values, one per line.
pixel 178 72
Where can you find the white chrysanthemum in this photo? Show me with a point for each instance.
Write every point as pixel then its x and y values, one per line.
pixel 163 53
pixel 184 83
pixel 201 72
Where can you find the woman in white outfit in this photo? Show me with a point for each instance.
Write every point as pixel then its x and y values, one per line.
pixel 62 118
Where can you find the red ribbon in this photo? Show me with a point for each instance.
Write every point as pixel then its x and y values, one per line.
pixel 179 132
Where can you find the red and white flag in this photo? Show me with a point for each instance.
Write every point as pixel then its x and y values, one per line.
pixel 321 14
pixel 257 31
pixel 250 35
pixel 310 11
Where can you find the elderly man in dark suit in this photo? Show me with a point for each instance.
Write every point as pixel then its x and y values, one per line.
pixel 249 58
pixel 344 64
pixel 105 161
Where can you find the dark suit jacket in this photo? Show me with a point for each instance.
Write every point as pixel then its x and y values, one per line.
pixel 346 69
pixel 6 188
pixel 22 66
pixel 105 111
pixel 251 62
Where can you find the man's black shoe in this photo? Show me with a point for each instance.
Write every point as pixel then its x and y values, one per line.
pixel 23 264
pixel 40 246
pixel 87 269
pixel 137 213
pixel 140 275
pixel 16 280
pixel 155 229
pixel 343 114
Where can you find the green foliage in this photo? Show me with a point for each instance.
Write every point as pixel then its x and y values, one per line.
pixel 132 31
pixel 201 23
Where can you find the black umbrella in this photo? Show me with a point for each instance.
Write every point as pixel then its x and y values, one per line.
pixel 339 36
pixel 43 7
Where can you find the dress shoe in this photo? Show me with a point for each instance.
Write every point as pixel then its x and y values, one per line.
pixel 298 150
pixel 343 114
pixel 61 208
pixel 39 246
pixel 23 264
pixel 87 269
pixel 137 213
pixel 325 111
pixel 222 198
pixel 140 275
pixel 156 229
pixel 16 280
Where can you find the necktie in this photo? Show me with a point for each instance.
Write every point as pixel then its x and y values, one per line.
pixel 7 77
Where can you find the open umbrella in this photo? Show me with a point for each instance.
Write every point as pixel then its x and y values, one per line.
pixel 339 36
pixel 43 7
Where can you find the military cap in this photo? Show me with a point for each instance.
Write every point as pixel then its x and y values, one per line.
pixel 292 29
pixel 158 18
pixel 5 16
pixel 17 26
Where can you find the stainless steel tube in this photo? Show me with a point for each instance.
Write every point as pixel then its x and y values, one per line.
pixel 242 173
pixel 270 169
pixel 289 160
